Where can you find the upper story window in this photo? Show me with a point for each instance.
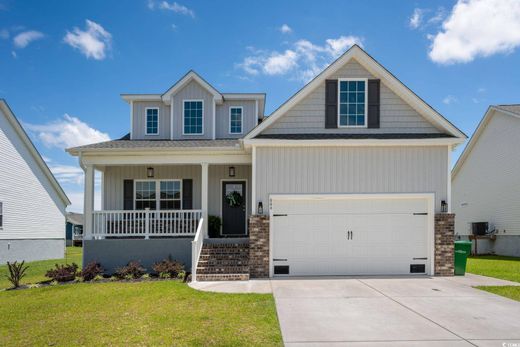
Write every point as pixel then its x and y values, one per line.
pixel 193 117
pixel 235 120
pixel 152 121
pixel 352 110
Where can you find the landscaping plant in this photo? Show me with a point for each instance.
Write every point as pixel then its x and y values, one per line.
pixel 16 272
pixel 132 270
pixel 63 273
pixel 168 268
pixel 91 271
pixel 214 223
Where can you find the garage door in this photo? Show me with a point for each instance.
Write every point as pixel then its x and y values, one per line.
pixel 351 235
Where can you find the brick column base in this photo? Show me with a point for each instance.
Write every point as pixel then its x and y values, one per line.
pixel 258 246
pixel 444 253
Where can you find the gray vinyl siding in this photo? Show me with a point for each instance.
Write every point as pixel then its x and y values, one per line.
pixel 192 91
pixel 488 183
pixel 308 170
pixel 248 121
pixel 139 120
pixel 308 116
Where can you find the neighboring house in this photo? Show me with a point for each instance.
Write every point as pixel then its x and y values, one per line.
pixel 32 203
pixel 348 177
pixel 74 229
pixel 486 182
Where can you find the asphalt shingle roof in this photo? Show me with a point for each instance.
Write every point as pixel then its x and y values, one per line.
pixel 510 108
pixel 350 136
pixel 160 144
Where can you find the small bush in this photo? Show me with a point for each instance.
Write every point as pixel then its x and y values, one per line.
pixel 131 271
pixel 16 272
pixel 181 275
pixel 91 271
pixel 63 273
pixel 168 267
pixel 214 223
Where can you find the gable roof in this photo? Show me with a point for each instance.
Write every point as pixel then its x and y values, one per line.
pixel 74 218
pixel 510 110
pixel 369 63
pixel 11 118
pixel 190 76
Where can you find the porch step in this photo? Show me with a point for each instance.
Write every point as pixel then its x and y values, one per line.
pixel 223 262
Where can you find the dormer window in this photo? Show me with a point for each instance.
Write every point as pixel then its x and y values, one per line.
pixel 193 119
pixel 235 120
pixel 152 121
pixel 352 96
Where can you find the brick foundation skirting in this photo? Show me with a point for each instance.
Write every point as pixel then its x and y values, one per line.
pixel 444 252
pixel 259 246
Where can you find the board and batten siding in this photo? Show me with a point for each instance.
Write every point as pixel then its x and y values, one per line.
pixel 308 116
pixel 249 118
pixel 318 170
pixel 139 120
pixel 487 186
pixel 31 207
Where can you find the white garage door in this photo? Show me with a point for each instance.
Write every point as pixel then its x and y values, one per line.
pixel 351 235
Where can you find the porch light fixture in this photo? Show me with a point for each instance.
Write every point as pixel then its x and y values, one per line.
pixel 444 206
pixel 150 172
pixel 231 171
pixel 260 208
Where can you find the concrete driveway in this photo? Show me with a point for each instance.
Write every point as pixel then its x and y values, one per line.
pixel 420 311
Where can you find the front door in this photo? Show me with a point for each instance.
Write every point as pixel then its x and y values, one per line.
pixel 234 208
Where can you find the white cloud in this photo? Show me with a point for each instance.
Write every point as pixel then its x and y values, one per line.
pixel 67 132
pixel 450 99
pixel 416 18
pixel 23 39
pixel 67 173
pixel 302 61
pixel 477 28
pixel 175 7
pixel 94 42
pixel 286 29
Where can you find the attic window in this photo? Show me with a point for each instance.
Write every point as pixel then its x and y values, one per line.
pixel 152 121
pixel 235 120
pixel 193 117
pixel 352 96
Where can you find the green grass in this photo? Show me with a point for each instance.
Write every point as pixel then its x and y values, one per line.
pixel 506 268
pixel 37 269
pixel 145 313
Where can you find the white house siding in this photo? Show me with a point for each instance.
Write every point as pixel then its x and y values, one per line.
pixel 192 91
pixel 139 120
pixel 308 116
pixel 488 183
pixel 407 169
pixel 33 214
pixel 249 118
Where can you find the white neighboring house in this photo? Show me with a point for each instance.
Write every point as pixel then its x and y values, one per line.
pixel 486 181
pixel 32 203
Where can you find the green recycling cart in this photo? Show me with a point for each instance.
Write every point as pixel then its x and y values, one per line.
pixel 462 252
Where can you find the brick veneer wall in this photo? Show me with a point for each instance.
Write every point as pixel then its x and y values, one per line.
pixel 444 231
pixel 258 246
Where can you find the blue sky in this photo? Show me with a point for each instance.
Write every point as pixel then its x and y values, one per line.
pixel 63 64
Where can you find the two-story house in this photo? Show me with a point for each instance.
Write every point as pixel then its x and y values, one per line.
pixel 350 176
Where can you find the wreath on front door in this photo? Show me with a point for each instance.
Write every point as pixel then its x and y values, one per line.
pixel 234 199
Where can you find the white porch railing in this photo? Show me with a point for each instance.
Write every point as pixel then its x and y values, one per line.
pixel 144 223
pixel 196 247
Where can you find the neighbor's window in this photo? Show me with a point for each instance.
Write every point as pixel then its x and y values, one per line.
pixel 153 194
pixel 145 195
pixel 1 215
pixel 352 103
pixel 152 121
pixel 193 117
pixel 235 120
pixel 170 197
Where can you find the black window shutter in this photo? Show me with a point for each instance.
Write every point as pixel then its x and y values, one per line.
pixel 374 87
pixel 128 194
pixel 331 104
pixel 187 194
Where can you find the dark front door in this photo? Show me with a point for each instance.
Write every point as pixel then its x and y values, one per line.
pixel 234 208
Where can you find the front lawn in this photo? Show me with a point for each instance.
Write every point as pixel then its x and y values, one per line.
pixel 506 268
pixel 511 292
pixel 37 269
pixel 141 313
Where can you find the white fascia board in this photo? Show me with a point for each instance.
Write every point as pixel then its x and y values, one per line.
pixel 191 75
pixel 167 159
pixel 351 142
pixel 244 96
pixel 141 97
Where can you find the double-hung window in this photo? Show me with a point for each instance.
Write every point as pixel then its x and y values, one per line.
pixel 158 194
pixel 152 121
pixel 193 117
pixel 352 110
pixel 235 120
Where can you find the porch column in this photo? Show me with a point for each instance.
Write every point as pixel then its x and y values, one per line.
pixel 204 197
pixel 88 202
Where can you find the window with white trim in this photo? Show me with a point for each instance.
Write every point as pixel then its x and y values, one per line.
pixel 235 120
pixel 158 194
pixel 352 108
pixel 170 195
pixel 152 121
pixel 1 214
pixel 193 117
pixel 145 195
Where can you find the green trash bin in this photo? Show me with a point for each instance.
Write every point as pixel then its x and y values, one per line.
pixel 462 252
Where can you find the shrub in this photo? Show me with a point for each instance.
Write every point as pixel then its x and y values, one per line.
pixel 16 272
pixel 130 271
pixel 63 273
pixel 92 270
pixel 168 268
pixel 214 223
